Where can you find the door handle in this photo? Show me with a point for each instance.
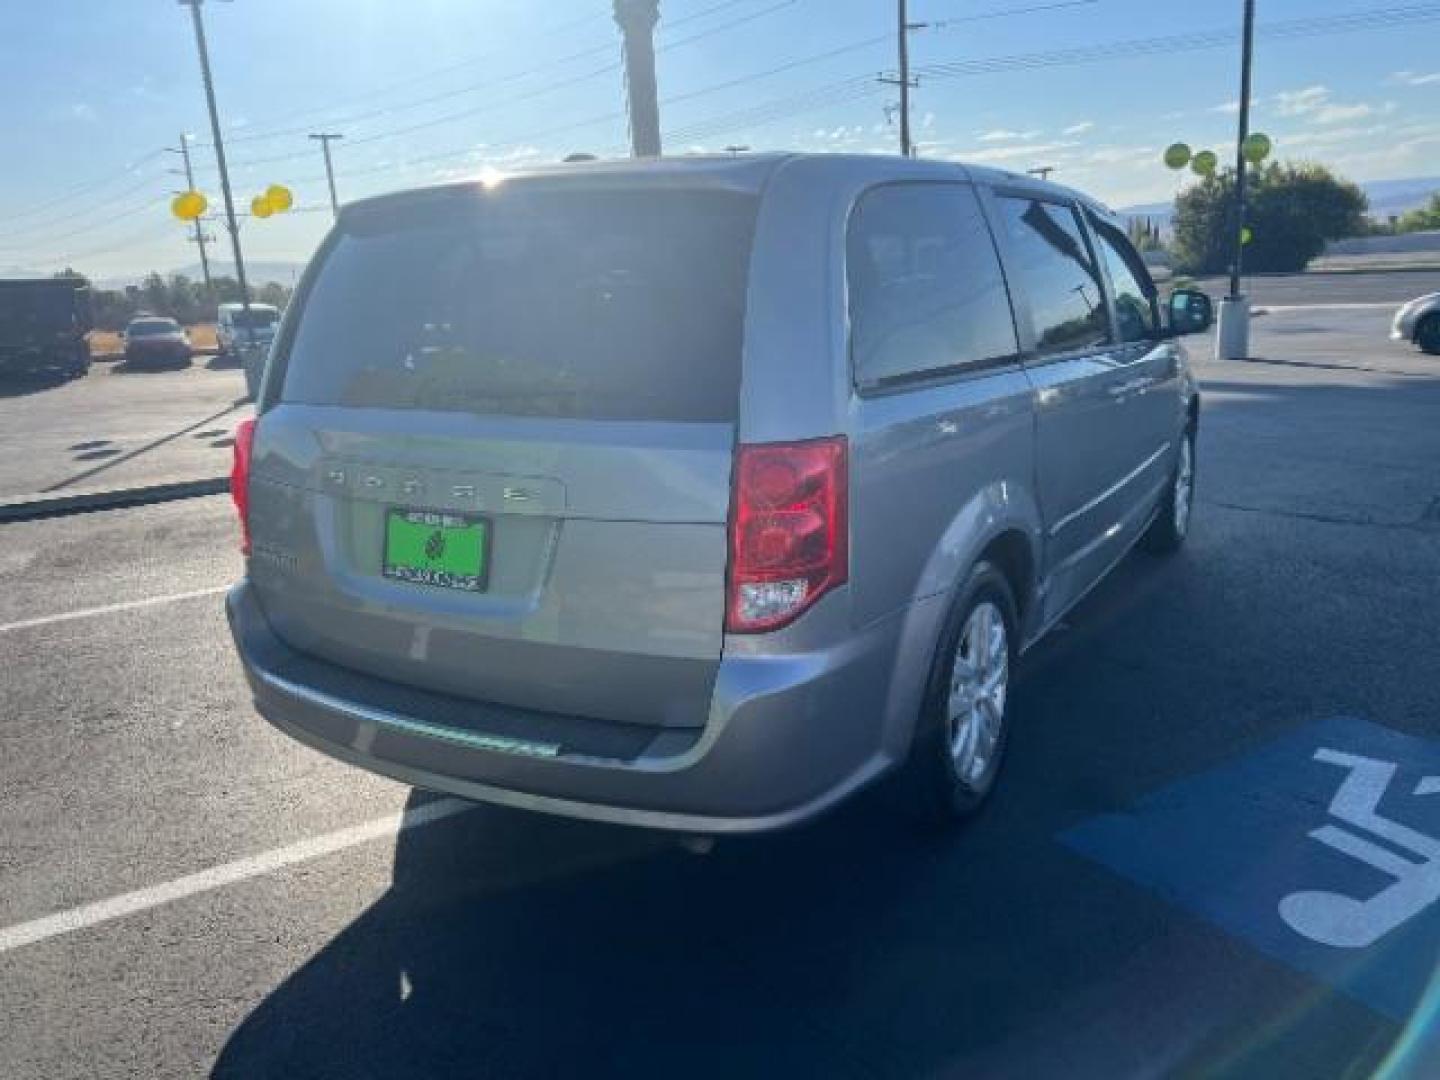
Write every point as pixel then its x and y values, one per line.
pixel 1130 386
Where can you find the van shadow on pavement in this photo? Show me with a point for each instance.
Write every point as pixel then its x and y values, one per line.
pixel 517 945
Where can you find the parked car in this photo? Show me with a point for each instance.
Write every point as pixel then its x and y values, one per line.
pixel 1419 322
pixel 701 493
pixel 247 338
pixel 43 322
pixel 233 329
pixel 153 341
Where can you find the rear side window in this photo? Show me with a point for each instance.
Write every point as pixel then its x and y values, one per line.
pixel 1058 274
pixel 927 295
pixel 1136 318
pixel 564 303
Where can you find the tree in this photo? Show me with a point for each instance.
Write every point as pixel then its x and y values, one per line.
pixel 1424 219
pixel 1293 210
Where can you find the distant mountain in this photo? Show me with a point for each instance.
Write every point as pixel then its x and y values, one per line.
pixel 257 273
pixel 1387 198
pixel 1399 196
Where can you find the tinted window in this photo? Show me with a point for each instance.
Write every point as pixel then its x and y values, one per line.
pixel 1058 275
pixel 259 318
pixel 149 327
pixel 926 291
pixel 1135 316
pixel 559 303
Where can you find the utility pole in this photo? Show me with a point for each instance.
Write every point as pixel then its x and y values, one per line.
pixel 1042 171
pixel 200 239
pixel 231 223
pixel 324 139
pixel 904 81
pixel 1232 330
pixel 637 19
pixel 1246 58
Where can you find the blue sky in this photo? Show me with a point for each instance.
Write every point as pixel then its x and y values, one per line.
pixel 94 89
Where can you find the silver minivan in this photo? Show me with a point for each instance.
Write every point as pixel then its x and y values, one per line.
pixel 700 493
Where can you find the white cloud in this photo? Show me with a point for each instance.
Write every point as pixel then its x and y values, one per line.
pixel 1413 78
pixel 1227 107
pixel 1301 102
pixel 927 121
pixel 1031 151
pixel 1314 105
pixel 1080 128
pixel 1002 135
pixel 82 111
pixel 1340 114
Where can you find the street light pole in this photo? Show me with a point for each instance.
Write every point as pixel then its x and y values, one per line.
pixel 1232 329
pixel 1246 55
pixel 324 139
pixel 231 223
pixel 637 19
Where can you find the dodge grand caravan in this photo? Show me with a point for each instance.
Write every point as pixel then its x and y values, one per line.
pixel 700 493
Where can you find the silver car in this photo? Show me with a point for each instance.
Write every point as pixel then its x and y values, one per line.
pixel 701 493
pixel 1419 322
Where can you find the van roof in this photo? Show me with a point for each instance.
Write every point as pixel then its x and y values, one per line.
pixel 745 172
pixel 230 305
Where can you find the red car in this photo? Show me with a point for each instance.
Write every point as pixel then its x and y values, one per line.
pixel 156 342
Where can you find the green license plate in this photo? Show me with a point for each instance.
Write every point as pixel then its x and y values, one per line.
pixel 424 547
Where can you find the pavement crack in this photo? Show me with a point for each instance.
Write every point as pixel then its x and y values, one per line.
pixel 1426 522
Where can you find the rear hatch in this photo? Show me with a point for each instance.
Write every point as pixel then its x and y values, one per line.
pixel 498 461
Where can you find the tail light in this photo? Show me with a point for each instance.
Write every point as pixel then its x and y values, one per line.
pixel 788 531
pixel 240 479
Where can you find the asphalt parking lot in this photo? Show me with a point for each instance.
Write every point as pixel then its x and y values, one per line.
pixel 185 891
pixel 118 427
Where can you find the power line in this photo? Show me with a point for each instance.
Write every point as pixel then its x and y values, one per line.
pixel 446 95
pixel 85 187
pixel 844 91
pixel 86 212
pixel 1002 13
pixel 1295 28
pixel 506 102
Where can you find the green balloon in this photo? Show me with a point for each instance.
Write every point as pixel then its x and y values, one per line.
pixel 1256 147
pixel 1177 155
pixel 1204 163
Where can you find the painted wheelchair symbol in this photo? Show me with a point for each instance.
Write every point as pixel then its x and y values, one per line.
pixel 1343 921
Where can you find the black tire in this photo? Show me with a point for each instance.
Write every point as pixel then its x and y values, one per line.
pixel 930 787
pixel 1168 531
pixel 1427 335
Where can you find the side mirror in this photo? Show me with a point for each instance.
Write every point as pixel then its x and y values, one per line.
pixel 1191 312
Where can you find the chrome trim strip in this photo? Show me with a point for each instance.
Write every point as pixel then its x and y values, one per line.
pixel 498 743
pixel 1114 488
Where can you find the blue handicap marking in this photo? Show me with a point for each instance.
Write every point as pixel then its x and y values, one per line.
pixel 1322 849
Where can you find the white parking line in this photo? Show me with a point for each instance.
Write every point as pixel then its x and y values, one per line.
pixel 110 609
pixel 65 922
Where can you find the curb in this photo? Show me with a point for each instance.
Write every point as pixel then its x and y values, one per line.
pixel 35 507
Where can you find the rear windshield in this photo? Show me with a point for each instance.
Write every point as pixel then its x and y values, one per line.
pixel 258 319
pixel 576 304
pixel 148 327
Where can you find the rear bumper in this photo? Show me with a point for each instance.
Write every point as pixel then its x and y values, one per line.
pixel 787 737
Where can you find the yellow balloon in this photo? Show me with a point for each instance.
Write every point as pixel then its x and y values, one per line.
pixel 1177 155
pixel 260 207
pixel 279 197
pixel 1246 235
pixel 188 205
pixel 1204 163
